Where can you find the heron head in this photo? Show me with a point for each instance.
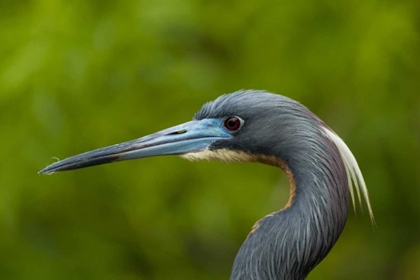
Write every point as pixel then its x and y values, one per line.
pixel 260 124
pixel 234 127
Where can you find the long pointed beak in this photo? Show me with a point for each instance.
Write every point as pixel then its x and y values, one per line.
pixel 193 136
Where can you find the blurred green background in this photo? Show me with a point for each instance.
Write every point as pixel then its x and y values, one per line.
pixel 79 75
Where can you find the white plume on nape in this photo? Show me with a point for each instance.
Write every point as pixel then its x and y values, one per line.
pixel 354 174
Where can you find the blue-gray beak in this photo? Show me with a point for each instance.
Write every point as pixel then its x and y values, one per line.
pixel 193 136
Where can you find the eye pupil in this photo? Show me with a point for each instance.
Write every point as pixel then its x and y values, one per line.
pixel 232 123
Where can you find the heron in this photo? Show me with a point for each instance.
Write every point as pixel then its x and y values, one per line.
pixel 259 126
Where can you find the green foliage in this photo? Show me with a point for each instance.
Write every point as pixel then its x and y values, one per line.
pixel 78 75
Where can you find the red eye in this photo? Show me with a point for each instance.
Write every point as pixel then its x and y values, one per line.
pixel 232 123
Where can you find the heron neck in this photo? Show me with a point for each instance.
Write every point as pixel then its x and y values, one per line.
pixel 289 243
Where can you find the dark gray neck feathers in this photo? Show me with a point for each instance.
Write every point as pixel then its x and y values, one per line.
pixel 288 244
